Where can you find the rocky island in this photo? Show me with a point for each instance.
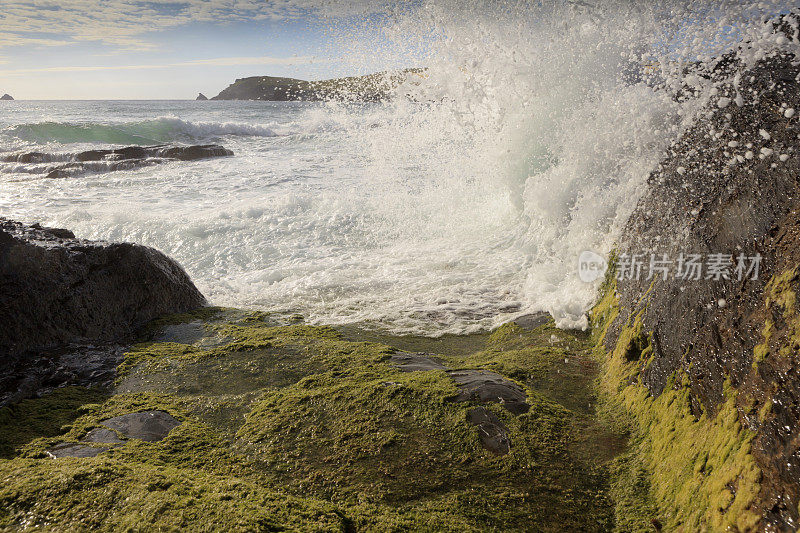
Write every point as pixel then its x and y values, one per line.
pixel 370 88
pixel 6 97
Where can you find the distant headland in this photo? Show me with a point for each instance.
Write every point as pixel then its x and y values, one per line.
pixel 369 88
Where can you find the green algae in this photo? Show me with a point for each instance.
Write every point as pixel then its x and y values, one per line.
pixel 43 417
pixel 689 473
pixel 300 427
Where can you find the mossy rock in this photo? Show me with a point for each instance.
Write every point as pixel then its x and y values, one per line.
pixel 298 427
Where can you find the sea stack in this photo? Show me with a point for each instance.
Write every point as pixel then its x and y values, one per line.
pixel 6 97
pixel 201 96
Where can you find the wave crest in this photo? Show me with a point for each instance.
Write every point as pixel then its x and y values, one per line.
pixel 159 130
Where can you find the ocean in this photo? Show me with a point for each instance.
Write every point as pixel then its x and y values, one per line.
pixel 459 205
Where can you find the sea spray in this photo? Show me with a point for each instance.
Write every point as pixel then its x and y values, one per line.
pixel 461 204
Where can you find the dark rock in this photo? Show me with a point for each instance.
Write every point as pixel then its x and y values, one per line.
pixel 415 362
pixel 73 449
pixel 112 160
pixel 201 96
pixel 703 200
pixel 493 433
pixel 486 386
pixel 56 290
pixel 475 385
pixel 34 374
pixel 533 321
pixel 102 436
pixel 6 97
pixel 191 153
pixel 150 426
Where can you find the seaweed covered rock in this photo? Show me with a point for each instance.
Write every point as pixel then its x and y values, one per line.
pixel 56 289
pixel 227 420
pixel 707 270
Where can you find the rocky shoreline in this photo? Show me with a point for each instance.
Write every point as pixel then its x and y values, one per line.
pixel 679 410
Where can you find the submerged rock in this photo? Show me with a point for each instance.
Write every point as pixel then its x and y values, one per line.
pixel 56 289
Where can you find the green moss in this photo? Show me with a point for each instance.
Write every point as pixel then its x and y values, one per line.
pixel 43 417
pixel 699 474
pixel 304 428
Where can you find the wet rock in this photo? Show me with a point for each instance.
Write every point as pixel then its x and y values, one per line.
pixel 493 433
pixel 532 321
pixel 56 289
pixel 112 160
pixel 150 426
pixel 416 362
pixel 102 436
pixel 73 449
pixel 486 386
pixel 36 374
pixel 727 186
pixel 482 386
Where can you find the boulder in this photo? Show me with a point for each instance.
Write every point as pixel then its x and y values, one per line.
pixel 56 289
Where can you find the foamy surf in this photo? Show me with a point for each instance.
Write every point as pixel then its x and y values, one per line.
pixel 459 205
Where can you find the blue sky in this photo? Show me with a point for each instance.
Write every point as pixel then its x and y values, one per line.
pixel 81 49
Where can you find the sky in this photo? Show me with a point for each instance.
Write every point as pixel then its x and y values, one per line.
pixel 132 49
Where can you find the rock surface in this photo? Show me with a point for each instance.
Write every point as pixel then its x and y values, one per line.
pixel 480 386
pixel 56 289
pixel 491 430
pixel 6 97
pixel 111 160
pixel 73 449
pixel 728 186
pixel 485 386
pixel 149 426
pixel 201 96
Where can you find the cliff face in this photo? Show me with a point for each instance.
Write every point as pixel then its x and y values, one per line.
pixel 371 88
pixel 713 354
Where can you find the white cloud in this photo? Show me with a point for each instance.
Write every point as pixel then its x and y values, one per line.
pixel 216 62
pixel 121 23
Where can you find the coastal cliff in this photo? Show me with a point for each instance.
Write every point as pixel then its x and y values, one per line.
pixel 370 88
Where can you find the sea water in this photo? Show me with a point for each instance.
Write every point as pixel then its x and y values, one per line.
pixel 461 204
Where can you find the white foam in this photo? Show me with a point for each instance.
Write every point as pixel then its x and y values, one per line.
pixel 530 141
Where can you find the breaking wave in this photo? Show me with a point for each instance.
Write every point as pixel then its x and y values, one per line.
pixel 159 130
